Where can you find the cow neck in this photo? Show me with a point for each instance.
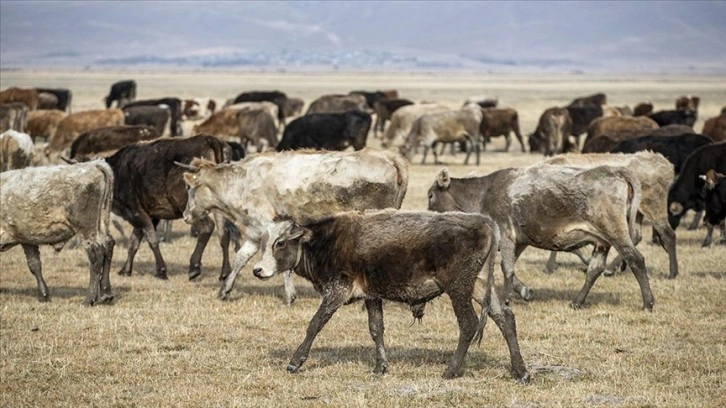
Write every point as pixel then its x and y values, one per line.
pixel 468 192
pixel 220 188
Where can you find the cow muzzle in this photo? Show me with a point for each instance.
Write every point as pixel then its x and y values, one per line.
pixel 262 273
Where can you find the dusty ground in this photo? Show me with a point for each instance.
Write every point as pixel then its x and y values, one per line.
pixel 172 343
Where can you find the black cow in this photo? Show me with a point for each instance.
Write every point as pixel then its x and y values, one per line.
pixel 122 92
pixel 686 192
pixel 328 131
pixel 674 117
pixel 276 97
pixel 153 116
pixel 403 256
pixel 674 148
pixel 715 197
pixel 175 111
pixel 65 96
pixel 149 187
pixel 582 116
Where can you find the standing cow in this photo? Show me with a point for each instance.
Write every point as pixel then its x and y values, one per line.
pixel 121 92
pixel 409 257
pixel 557 208
pixel 552 132
pixel 175 111
pixel 64 97
pixel 338 103
pixel 49 206
pixel 154 116
pixel 299 184
pixel 329 131
pixel 500 122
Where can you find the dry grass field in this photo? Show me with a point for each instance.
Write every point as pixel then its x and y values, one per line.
pixel 172 343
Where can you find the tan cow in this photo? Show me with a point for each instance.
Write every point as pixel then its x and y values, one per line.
pixel 44 123
pixel 76 123
pixel 299 184
pixel 27 96
pixel 402 120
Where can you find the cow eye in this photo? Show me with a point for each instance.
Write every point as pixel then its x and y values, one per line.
pixel 279 244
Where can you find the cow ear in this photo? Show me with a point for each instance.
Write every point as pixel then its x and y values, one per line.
pixel 443 180
pixel 709 178
pixel 191 179
pixel 297 231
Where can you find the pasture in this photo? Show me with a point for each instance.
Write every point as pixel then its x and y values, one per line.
pixel 173 343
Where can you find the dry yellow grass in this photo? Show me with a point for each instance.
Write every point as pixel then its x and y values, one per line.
pixel 172 343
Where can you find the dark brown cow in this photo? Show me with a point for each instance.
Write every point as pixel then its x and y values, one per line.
pixel 384 108
pixel 557 208
pixel 409 257
pixel 552 133
pixel 149 187
pixel 27 96
pixel 500 122
pixel 715 128
pixel 597 99
pixel 617 128
pixel 643 108
pixel 104 142
pixel 687 102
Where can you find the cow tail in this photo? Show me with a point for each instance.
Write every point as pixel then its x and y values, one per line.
pixel 106 201
pixel 401 166
pixel 634 196
pixel 488 269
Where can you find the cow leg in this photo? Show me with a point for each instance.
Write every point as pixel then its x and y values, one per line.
pixel 332 300
pixel 504 318
pixel 248 249
pixel 468 322
pixel 696 221
pixel 667 238
pixel 375 327
pixel 519 137
pixel 96 256
pixel 551 265
pixel 153 239
pixel 224 239
pixel 32 255
pixel 106 294
pixel 637 265
pixel 510 252
pixel 134 242
pixel 205 227
pixel 709 236
pixel 508 140
pixel 596 267
pixel 425 152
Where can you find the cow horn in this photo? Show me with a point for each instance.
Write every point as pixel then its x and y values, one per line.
pixel 187 167
pixel 676 208
pixel 69 161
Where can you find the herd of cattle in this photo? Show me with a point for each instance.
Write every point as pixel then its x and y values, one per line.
pixel 303 204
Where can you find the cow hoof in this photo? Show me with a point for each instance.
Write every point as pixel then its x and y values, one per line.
pixel 106 299
pixel 576 306
pixel 525 378
pixel 222 295
pixel 124 273
pixel 292 369
pixel 289 302
pixel 44 299
pixel 608 272
pixel 525 293
pixel 448 374
pixel 194 273
pixel 88 302
pixel 161 275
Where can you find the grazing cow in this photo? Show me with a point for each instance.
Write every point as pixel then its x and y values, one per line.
pixel 198 108
pixel 552 133
pixel 617 128
pixel 270 107
pixel 65 96
pixel 16 150
pixel 453 126
pixel 500 122
pixel 605 143
pixel 300 184
pixel 105 141
pixel 384 108
pixel 49 206
pixel 371 97
pixel 409 257
pixel 674 148
pixel 292 107
pixel 47 101
pixel 13 115
pixel 175 111
pixel 327 131
pixel 276 97
pixel 643 108
pixel 257 126
pixel 76 123
pixel 655 174
pixel 149 188
pixel 674 117
pixel 557 208
pixel 686 192
pixel 29 97
pixel 121 92
pixel 597 99
pixel 581 117
pixel 402 121
pixel 715 128
pixel 338 103
pixel 44 123
pixel 715 198
pixel 223 124
pixel 154 116
pixel 483 101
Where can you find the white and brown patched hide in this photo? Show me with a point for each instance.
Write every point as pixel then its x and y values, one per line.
pixel 16 150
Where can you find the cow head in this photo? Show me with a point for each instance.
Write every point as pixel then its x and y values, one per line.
pixel 281 248
pixel 439 197
pixel 359 123
pixel 199 194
